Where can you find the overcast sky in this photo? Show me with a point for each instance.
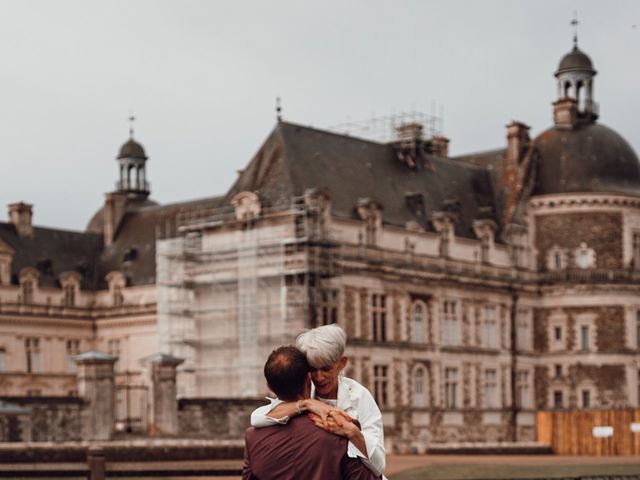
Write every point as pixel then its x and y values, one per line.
pixel 202 78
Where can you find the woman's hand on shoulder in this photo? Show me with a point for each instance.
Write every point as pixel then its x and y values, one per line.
pixel 337 422
pixel 334 421
pixel 317 408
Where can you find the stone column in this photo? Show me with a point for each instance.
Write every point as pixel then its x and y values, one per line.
pixel 97 387
pixel 163 402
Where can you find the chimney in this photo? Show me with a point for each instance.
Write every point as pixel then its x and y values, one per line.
pixel 20 215
pixel 409 132
pixel 114 208
pixel 565 113
pixel 440 145
pixel 517 141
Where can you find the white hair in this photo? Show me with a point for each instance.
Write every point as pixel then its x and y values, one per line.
pixel 323 346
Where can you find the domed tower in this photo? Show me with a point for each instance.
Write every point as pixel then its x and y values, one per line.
pixel 133 178
pixel 131 192
pixel 583 221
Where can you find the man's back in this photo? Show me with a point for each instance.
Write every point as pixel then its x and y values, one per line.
pixel 299 450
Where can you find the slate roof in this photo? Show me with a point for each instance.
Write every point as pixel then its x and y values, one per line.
pixel 52 252
pixel 590 158
pixel 134 249
pixel 296 158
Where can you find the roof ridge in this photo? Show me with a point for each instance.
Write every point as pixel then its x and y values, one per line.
pixel 54 229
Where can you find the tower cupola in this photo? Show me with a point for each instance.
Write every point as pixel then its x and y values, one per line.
pixel 132 160
pixel 575 84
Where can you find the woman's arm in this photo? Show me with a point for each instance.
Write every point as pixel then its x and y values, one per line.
pixel 370 420
pixel 366 443
pixel 279 412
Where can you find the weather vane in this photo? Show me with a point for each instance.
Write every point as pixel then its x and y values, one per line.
pixel 278 109
pixel 574 24
pixel 131 119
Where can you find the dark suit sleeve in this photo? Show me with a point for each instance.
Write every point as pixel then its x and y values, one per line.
pixel 354 469
pixel 246 463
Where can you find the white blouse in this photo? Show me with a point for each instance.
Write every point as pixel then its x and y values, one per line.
pixel 358 403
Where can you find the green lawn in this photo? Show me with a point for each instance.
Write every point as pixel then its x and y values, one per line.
pixel 496 472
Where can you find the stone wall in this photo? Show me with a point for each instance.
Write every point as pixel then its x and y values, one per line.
pixel 50 419
pixel 218 418
pixel 601 231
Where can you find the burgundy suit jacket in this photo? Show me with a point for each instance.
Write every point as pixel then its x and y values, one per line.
pixel 299 451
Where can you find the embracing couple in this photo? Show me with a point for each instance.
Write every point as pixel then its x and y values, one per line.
pixel 322 425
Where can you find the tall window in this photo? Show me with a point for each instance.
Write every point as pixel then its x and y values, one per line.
pixel 328 308
pixel 380 385
pixel 69 295
pixel 379 317
pixel 118 297
pixel 523 330
pixel 450 388
pixel 584 338
pixel 113 348
pixel 490 327
pixel 371 231
pixel 522 389
pixel 3 360
pixel 557 399
pixel 418 323
pixel 449 323
pixel 73 349
pixel 32 351
pixel 418 388
pixel 444 243
pixel 586 398
pixel 636 249
pixel 638 329
pixel 490 388
pixel 27 291
pixel 557 333
pixel 484 249
pixel 557 370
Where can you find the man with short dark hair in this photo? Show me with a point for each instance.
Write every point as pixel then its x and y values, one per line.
pixel 297 450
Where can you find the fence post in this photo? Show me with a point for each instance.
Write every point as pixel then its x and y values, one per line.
pixel 163 404
pixel 96 463
pixel 96 386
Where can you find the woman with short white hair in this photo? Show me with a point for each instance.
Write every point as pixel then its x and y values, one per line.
pixel 335 399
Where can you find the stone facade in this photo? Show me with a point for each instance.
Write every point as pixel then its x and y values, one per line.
pixel 474 290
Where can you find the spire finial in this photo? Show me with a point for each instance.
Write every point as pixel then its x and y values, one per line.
pixel 574 24
pixel 278 109
pixel 131 119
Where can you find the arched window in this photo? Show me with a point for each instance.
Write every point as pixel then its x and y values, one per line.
pixel 419 397
pixel 418 323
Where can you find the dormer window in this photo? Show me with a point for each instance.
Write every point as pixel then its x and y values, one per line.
pixel 70 282
pixel 371 213
pixel 117 282
pixel 247 205
pixel 6 254
pixel 27 291
pixel 485 231
pixel 28 284
pixel 69 296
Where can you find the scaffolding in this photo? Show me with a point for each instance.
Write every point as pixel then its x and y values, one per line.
pixel 384 129
pixel 229 291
